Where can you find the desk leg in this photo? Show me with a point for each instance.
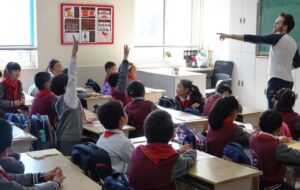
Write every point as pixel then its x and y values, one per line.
pixel 241 184
pixel 256 183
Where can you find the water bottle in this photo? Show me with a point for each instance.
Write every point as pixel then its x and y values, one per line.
pixel 42 135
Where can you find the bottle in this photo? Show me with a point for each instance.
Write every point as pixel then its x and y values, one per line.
pixel 42 135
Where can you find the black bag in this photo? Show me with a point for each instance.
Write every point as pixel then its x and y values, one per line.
pixel 92 84
pixel 117 181
pixel 94 161
pixel 167 102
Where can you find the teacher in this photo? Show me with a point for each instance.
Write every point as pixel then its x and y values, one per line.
pixel 283 53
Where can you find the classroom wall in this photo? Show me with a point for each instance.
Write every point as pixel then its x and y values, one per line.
pixel 91 58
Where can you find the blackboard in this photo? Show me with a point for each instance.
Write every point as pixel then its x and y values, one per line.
pixel 268 12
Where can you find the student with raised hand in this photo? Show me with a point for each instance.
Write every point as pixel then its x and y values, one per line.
pixel 11 91
pixel 118 81
pixel 110 68
pixel 50 180
pixel 68 107
pixel 283 54
pixel 222 128
pixel 157 165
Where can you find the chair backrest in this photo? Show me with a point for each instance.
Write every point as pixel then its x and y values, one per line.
pixel 222 71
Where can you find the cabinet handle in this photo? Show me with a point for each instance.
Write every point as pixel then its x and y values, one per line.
pixel 242 83
pixel 265 91
pixel 240 20
pixel 244 20
pixel 238 82
pixel 296 96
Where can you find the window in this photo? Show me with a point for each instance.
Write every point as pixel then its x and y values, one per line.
pixel 17 39
pixel 165 25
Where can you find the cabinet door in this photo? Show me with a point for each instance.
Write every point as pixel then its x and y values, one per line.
pixel 237 63
pixel 249 20
pixel 260 84
pixel 246 72
pixel 297 90
pixel 235 24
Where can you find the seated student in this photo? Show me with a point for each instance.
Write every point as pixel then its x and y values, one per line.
pixel 44 101
pixel 284 103
pixel 138 109
pixel 54 67
pixel 132 72
pixel 222 90
pixel 156 165
pixel 11 92
pixel 221 129
pixel 274 154
pixel 113 117
pixel 110 68
pixel 118 81
pixel 189 96
pixel 68 108
pixel 41 181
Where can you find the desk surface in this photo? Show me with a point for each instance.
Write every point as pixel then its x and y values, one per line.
pixel 170 72
pixel 21 136
pixel 250 111
pixel 294 144
pixel 75 179
pixel 212 169
pixel 199 69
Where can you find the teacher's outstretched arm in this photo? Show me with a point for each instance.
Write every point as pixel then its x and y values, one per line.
pixel 223 36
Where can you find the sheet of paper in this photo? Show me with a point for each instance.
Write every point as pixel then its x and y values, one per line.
pixel 43 153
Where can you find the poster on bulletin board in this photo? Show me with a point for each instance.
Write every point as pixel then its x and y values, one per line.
pixel 90 24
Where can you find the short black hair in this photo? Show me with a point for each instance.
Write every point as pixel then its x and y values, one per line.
pixel 109 65
pixel 65 71
pixel 41 78
pixel 113 79
pixel 270 121
pixel 10 66
pixel 221 88
pixel 136 89
pixel 288 20
pixel 58 84
pixel 159 127
pixel 52 64
pixel 6 135
pixel 109 114
pixel 284 100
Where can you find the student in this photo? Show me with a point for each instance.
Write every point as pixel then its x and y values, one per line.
pixel 132 72
pixel 118 81
pixel 189 96
pixel 50 180
pixel 222 90
pixel 110 68
pixel 11 91
pixel 156 165
pixel 284 102
pixel 284 55
pixel 54 67
pixel 274 154
pixel 138 109
pixel 44 101
pixel 113 117
pixel 68 107
pixel 222 129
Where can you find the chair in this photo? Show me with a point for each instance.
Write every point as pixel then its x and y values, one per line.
pixel 221 74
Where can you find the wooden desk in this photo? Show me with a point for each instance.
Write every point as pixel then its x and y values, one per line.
pixel 22 140
pixel 97 128
pixel 153 94
pixel 75 179
pixel 293 144
pixel 192 121
pixel 219 173
pixel 250 115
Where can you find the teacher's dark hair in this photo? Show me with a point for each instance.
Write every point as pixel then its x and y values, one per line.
pixel 288 20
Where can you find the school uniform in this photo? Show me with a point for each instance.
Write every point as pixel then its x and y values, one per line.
pixel 119 148
pixel 106 88
pixel 119 92
pixel 228 132
pixel 25 181
pixel 137 111
pixel 69 114
pixel 10 91
pixel 210 102
pixel 188 102
pixel 292 119
pixel 44 104
pixel 274 156
pixel 155 166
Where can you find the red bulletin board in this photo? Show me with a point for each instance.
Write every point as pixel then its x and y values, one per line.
pixel 90 24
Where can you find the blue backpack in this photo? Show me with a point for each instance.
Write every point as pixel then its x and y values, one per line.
pixel 167 102
pixel 117 181
pixel 193 111
pixel 239 155
pixel 40 127
pixel 92 84
pixel 187 136
pixel 18 119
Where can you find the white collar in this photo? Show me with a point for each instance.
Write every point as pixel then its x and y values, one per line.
pixel 183 99
pixel 139 98
pixel 268 134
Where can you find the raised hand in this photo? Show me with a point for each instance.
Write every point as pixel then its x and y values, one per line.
pixel 75 47
pixel 223 36
pixel 126 51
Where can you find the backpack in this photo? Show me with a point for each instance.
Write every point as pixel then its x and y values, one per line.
pixel 167 102
pixel 187 136
pixel 193 111
pixel 94 161
pixel 92 84
pixel 17 118
pixel 40 127
pixel 117 181
pixel 238 154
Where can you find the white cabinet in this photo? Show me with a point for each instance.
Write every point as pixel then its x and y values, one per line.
pixel 243 14
pixel 297 89
pixel 261 82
